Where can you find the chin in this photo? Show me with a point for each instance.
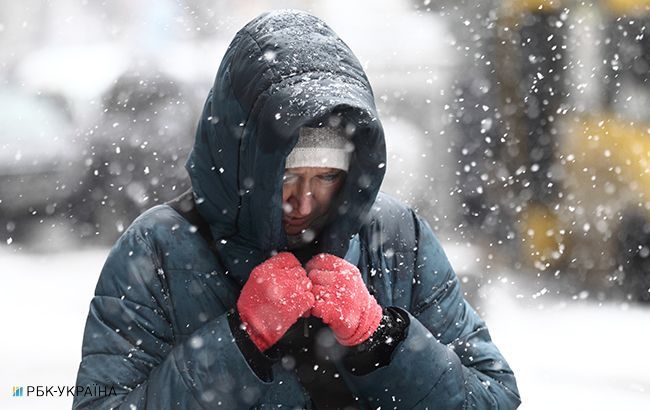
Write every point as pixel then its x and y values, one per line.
pixel 301 239
pixel 293 231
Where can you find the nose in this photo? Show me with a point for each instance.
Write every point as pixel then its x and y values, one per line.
pixel 304 199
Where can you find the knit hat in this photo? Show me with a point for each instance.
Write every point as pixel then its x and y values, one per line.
pixel 326 147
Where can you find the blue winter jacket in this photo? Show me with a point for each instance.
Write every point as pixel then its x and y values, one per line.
pixel 157 332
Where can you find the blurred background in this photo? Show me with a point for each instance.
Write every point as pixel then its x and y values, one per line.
pixel 519 128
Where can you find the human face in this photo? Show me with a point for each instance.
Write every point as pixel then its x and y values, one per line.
pixel 307 194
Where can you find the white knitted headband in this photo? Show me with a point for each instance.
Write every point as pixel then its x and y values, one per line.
pixel 326 147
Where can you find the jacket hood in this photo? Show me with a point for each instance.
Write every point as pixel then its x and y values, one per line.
pixel 283 70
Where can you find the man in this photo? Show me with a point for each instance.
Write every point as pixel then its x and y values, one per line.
pixel 287 280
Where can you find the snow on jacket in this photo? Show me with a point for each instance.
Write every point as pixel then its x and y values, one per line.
pixel 157 330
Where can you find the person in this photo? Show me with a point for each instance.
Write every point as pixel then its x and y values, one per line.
pixel 285 278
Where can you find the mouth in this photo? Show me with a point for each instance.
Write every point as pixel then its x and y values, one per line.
pixel 296 221
pixel 294 226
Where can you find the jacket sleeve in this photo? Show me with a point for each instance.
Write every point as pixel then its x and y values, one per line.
pixel 130 355
pixel 447 359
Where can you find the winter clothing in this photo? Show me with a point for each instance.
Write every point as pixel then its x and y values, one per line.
pixel 342 300
pixel 162 325
pixel 276 294
pixel 377 350
pixel 325 147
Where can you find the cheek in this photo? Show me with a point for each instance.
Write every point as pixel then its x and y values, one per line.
pixel 286 192
pixel 325 195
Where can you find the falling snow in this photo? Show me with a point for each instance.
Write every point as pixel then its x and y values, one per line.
pixel 521 136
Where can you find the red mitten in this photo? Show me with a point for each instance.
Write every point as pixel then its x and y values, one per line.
pixel 276 294
pixel 342 299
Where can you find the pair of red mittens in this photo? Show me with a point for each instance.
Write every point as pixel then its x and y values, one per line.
pixel 279 291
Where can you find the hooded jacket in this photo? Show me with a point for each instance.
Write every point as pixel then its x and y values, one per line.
pixel 157 332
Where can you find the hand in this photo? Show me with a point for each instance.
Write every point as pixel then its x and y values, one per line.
pixel 275 296
pixel 342 299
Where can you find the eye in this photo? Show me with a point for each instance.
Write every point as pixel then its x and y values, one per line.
pixel 330 177
pixel 289 178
